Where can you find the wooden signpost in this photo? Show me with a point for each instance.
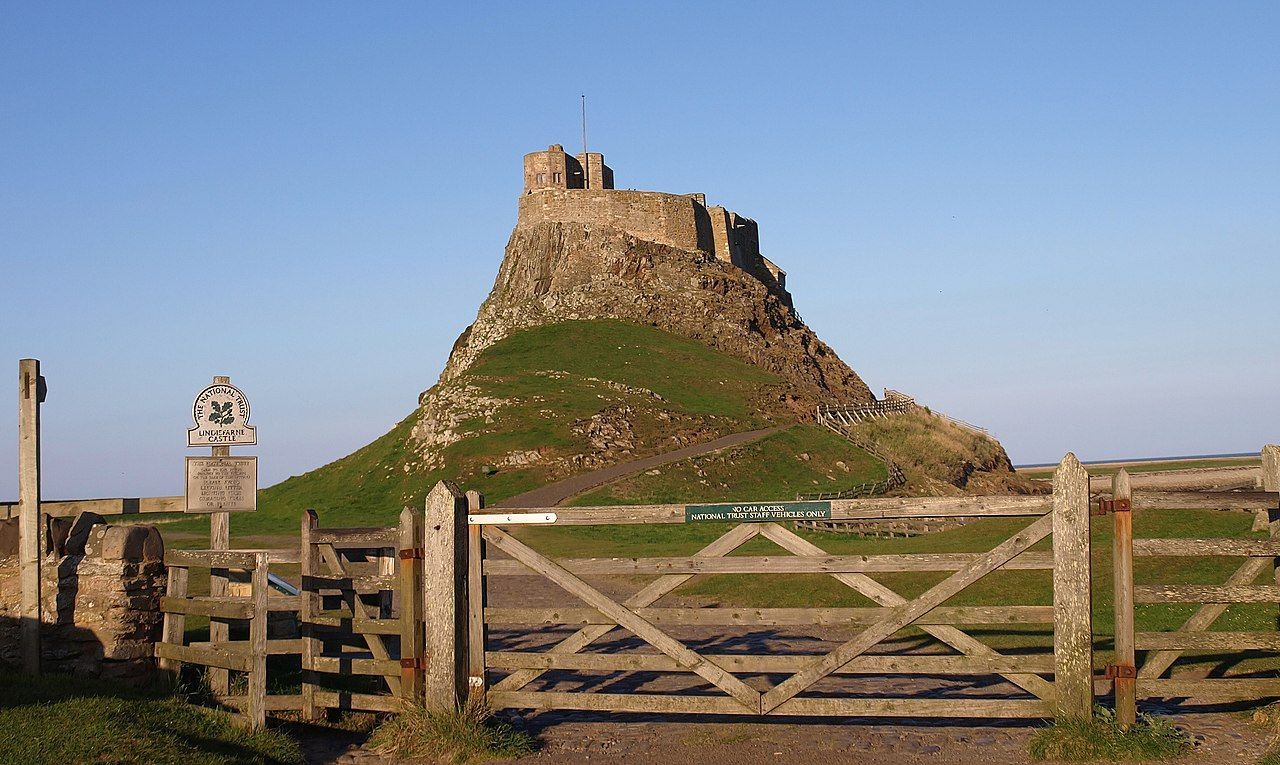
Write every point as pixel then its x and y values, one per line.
pixel 221 420
pixel 31 393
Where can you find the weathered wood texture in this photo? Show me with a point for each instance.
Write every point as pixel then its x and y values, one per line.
pixel 69 508
pixel 219 539
pixel 173 633
pixel 1122 580
pixel 311 603
pixel 445 545
pixel 1072 598
pixel 890 664
pixel 476 599
pixel 257 691
pixel 772 564
pixel 411 594
pixel 773 617
pixel 29 525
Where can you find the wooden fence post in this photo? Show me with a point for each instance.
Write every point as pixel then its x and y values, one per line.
pixel 1125 668
pixel 308 604
pixel 411 605
pixel 445 552
pixel 1072 597
pixel 1271 482
pixel 475 599
pixel 175 624
pixel 30 394
pixel 219 539
pixel 257 702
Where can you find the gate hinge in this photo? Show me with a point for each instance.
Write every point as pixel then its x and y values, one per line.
pixel 415 662
pixel 412 553
pixel 1112 506
pixel 1116 671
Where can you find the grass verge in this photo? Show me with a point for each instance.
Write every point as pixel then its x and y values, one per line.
pixel 58 719
pixel 468 735
pixel 1151 738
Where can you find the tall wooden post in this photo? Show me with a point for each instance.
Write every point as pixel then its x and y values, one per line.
pixel 1124 671
pixel 411 605
pixel 30 395
pixel 475 599
pixel 309 604
pixel 260 592
pixel 1271 482
pixel 219 539
pixel 445 551
pixel 1072 597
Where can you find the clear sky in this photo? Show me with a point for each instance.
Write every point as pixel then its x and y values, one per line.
pixel 1060 221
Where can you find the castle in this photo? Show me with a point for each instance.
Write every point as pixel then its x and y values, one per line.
pixel 561 188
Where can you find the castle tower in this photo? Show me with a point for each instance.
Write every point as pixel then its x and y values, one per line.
pixel 554 169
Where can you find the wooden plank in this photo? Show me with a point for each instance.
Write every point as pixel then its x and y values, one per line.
pixel 1156 663
pixel 70 508
pixel 358 702
pixel 1208 641
pixel 445 594
pixel 648 595
pixel 1216 689
pixel 257 710
pixel 733 616
pixel 284 646
pixel 643 629
pixel 896 664
pixel 1072 594
pixel 476 599
pixel 204 656
pixel 198 606
pixel 877 592
pixel 237 559
pixel 30 528
pixel 1203 500
pixel 369 538
pixel 1122 551
pixel 881 508
pixel 772 564
pixel 1205 593
pixel 219 539
pixel 272 703
pixel 919 708
pixel 834 707
pixel 174 630
pixel 365 584
pixel 1257 548
pixel 913 610
pixel 410 627
pixel 353 666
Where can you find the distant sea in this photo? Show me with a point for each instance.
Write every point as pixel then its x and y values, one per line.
pixel 1145 459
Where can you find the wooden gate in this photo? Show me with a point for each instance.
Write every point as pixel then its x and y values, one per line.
pixel 784 684
pixel 1260 559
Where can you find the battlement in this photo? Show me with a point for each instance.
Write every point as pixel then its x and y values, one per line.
pixel 562 188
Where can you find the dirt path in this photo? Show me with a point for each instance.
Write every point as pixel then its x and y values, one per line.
pixel 554 493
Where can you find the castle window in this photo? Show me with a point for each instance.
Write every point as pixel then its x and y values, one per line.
pixel 542 178
pixel 558 177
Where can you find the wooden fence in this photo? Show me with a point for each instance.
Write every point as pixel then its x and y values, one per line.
pixel 358 615
pixel 1163 649
pixel 510 676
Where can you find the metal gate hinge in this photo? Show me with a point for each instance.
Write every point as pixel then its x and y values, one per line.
pixel 1116 671
pixel 416 662
pixel 412 553
pixel 1112 506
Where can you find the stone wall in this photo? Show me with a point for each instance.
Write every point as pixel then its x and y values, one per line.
pixel 670 219
pixel 100 601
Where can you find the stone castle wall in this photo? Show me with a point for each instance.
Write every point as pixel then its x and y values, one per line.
pixel 671 219
pixel 100 602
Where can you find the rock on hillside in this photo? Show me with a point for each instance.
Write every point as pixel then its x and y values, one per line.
pixel 561 271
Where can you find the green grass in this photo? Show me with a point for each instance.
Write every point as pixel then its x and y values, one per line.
pixel 60 720
pixel 1151 738
pixel 799 459
pixel 548 378
pixel 468 735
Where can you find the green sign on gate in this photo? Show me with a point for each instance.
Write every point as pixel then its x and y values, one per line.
pixel 758 511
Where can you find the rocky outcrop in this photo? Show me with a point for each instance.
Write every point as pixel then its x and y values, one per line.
pixel 563 271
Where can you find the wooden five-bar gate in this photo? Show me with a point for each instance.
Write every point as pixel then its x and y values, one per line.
pixel 409 608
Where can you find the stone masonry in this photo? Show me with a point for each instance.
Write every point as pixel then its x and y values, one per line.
pixel 100 601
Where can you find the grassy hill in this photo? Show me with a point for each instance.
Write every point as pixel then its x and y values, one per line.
pixel 543 386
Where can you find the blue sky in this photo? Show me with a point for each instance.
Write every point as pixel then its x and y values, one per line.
pixel 1060 221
